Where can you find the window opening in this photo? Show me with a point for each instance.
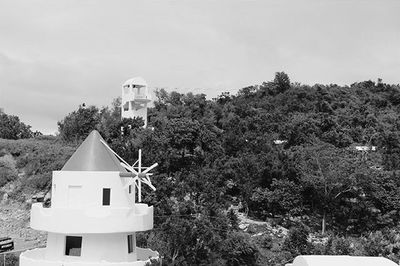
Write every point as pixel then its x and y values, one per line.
pixel 73 245
pixel 126 106
pixel 106 196
pixel 130 243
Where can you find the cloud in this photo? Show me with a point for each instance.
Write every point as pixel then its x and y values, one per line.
pixel 54 55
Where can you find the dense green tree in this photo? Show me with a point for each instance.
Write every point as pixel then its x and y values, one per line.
pixel 12 128
pixel 282 81
pixel 296 241
pixel 329 175
pixel 78 124
pixel 238 249
pixel 284 197
pixel 110 120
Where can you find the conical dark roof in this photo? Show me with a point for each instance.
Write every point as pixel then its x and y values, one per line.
pixel 93 155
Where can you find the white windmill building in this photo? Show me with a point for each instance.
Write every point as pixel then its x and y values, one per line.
pixel 94 217
pixel 135 98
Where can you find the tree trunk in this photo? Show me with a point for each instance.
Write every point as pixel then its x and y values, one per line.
pixel 323 223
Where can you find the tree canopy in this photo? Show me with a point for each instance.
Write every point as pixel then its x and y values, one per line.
pixel 282 151
pixel 12 128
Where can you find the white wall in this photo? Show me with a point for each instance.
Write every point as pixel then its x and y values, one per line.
pixel 95 247
pixel 36 257
pixel 91 192
pixel 92 220
pixel 84 213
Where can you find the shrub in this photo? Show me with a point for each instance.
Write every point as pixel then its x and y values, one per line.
pixel 375 244
pixel 238 249
pixel 341 246
pixel 78 124
pixel 10 259
pixel 267 241
pixel 12 128
pixel 296 242
pixel 153 262
pixel 36 159
pixel 233 219
pixel 8 172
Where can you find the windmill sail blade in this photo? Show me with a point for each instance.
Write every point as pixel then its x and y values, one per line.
pixel 150 167
pixel 148 178
pixel 152 187
pixel 149 184
pixel 127 174
pixel 119 157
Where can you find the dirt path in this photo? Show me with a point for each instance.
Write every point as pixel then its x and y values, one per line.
pixel 263 227
pixel 14 223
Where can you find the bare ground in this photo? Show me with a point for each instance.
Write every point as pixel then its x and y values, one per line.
pixel 14 223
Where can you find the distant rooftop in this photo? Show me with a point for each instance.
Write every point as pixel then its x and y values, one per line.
pixel 279 141
pixel 318 260
pixel 365 148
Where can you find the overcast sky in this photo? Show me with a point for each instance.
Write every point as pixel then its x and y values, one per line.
pixel 55 55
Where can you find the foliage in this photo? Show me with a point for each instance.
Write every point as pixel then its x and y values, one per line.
pixel 383 244
pixel 297 240
pixel 10 260
pixel 8 171
pixel 238 250
pixel 282 81
pixel 153 262
pixel 283 197
pixel 78 124
pixel 233 219
pixel 279 151
pixel 185 241
pixel 34 159
pixel 341 246
pixel 12 128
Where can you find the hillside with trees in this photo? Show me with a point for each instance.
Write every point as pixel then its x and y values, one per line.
pixel 282 153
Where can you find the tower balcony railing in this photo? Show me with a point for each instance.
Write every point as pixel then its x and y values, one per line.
pixel 142 96
pixel 92 220
pixel 36 257
pixel 131 96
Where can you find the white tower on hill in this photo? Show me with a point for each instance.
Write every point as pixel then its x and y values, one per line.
pixel 93 216
pixel 135 97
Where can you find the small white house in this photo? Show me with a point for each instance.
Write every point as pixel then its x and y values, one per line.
pixel 93 218
pixel 312 260
pixel 135 98
pixel 365 148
